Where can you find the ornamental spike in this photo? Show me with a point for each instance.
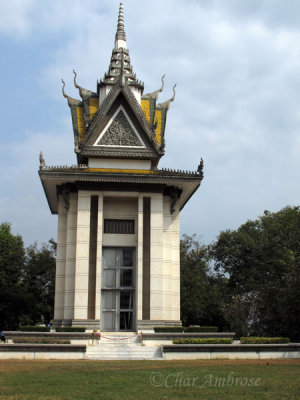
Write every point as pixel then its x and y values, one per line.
pixel 120 40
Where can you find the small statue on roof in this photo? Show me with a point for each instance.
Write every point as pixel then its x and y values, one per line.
pixel 200 167
pixel 42 161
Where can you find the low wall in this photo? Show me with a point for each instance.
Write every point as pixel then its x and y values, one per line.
pixel 42 351
pixel 162 338
pixel 230 351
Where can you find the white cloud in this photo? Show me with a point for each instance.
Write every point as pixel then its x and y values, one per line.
pixel 16 16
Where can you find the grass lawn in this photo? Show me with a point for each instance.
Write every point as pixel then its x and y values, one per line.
pixel 93 380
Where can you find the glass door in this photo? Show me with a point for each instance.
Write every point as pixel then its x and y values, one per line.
pixel 118 289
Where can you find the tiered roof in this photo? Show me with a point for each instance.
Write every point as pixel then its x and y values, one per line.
pixel 119 122
pixel 119 83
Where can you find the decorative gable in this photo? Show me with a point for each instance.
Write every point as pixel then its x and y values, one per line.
pixel 120 132
pixel 118 121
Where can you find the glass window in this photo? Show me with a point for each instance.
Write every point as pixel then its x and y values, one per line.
pixel 110 278
pixel 109 257
pixel 109 300
pixel 126 277
pixel 109 320
pixel 126 320
pixel 127 257
pixel 126 300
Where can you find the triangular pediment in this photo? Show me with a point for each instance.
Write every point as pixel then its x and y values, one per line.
pixel 119 128
pixel 120 132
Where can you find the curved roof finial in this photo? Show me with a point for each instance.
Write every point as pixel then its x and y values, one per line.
pixel 63 89
pixel 167 103
pixel 155 94
pixel 83 92
pixel 174 93
pixel 162 83
pixel 120 40
pixel 75 83
pixel 71 101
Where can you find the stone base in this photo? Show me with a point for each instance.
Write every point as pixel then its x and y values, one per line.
pixel 150 324
pixel 87 323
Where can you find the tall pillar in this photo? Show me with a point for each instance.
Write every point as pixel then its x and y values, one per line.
pixel 176 265
pixel 82 257
pixel 139 267
pixel 60 261
pixel 99 257
pixel 70 259
pixel 156 258
pixel 167 265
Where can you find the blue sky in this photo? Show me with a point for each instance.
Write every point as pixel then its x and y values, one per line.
pixel 236 65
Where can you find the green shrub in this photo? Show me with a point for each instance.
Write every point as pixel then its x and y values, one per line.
pixel 264 340
pixel 203 341
pixel 34 328
pixel 41 340
pixel 200 329
pixel 71 329
pixel 168 329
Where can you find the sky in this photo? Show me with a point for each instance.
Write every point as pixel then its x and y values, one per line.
pixel 237 68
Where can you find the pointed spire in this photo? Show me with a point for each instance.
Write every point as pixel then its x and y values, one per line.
pixel 120 69
pixel 120 40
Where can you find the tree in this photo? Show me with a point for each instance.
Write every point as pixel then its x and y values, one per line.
pixel 262 260
pixel 202 294
pixel 39 278
pixel 11 286
pixel 26 281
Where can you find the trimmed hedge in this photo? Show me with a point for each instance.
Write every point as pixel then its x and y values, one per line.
pixel 71 329
pixel 203 341
pixel 41 340
pixel 189 329
pixel 264 340
pixel 199 329
pixel 34 328
pixel 168 329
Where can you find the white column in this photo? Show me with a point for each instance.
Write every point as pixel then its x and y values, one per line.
pixel 176 265
pixel 167 265
pixel 82 256
pixel 70 257
pixel 156 258
pixel 99 257
pixel 139 266
pixel 60 260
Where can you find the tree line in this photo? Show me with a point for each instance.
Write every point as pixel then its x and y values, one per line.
pixel 27 277
pixel 246 281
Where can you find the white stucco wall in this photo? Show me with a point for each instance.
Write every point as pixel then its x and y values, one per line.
pixel 171 261
pixel 119 164
pixel 60 260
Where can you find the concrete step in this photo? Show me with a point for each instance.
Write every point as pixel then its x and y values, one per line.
pixel 122 346
pixel 125 352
